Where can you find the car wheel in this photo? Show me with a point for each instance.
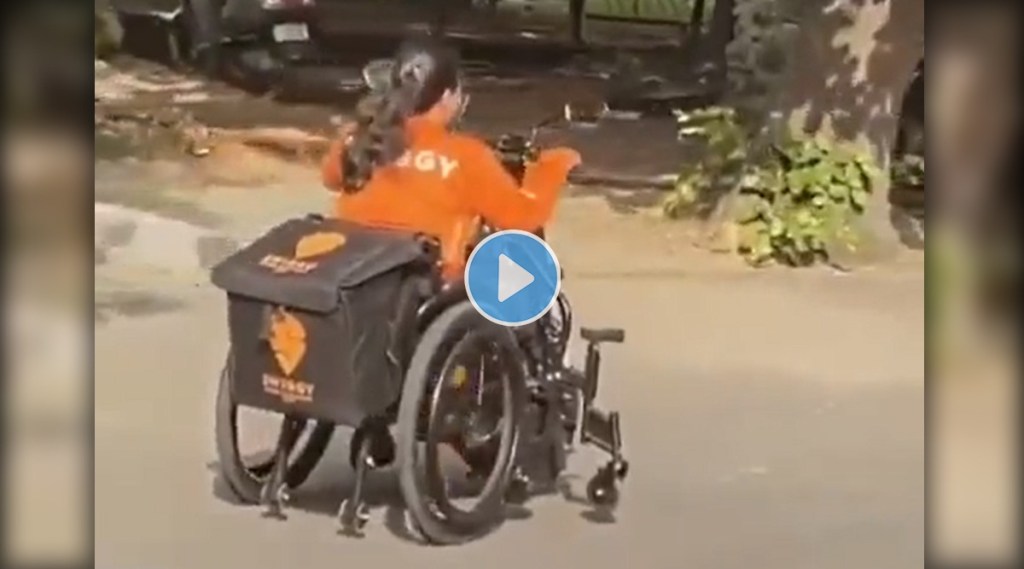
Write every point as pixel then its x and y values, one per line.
pixel 204 35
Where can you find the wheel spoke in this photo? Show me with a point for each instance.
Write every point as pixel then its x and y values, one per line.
pixel 459 337
pixel 245 472
pixel 466 413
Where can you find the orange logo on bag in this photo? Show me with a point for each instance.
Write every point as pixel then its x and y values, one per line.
pixel 287 340
pixel 312 245
pixel 320 243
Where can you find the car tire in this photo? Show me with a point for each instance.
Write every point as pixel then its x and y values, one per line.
pixel 204 34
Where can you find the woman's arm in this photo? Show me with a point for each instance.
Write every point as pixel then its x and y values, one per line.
pixel 496 196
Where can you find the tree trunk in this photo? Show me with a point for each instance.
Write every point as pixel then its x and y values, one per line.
pixel 848 67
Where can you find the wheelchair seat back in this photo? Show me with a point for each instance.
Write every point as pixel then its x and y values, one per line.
pixel 314 309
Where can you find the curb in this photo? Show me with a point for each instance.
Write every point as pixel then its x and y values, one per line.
pixel 129 236
pixel 622 181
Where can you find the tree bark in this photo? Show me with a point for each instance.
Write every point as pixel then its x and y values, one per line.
pixel 849 66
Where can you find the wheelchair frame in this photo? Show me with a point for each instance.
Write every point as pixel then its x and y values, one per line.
pixel 560 403
pixel 559 406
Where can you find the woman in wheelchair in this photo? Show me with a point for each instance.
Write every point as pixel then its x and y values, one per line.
pixel 400 165
pixel 319 320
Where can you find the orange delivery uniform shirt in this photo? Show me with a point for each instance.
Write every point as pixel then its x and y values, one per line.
pixel 443 185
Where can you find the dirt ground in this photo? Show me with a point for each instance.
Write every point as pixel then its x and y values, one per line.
pixel 773 419
pixel 646 146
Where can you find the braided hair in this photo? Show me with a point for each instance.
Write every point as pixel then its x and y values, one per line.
pixel 421 72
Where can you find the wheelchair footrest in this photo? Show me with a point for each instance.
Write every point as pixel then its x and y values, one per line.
pixel 601 335
pixel 602 430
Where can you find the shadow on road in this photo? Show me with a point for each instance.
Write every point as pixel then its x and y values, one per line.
pixel 622 201
pixel 112 304
pixel 333 481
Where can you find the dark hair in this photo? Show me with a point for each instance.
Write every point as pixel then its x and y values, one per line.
pixel 421 72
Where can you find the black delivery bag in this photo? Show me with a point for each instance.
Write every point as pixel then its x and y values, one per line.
pixel 312 315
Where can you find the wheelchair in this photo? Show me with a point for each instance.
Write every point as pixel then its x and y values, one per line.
pixel 405 360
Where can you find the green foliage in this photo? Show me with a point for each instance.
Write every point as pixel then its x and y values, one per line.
pixel 802 202
pixel 796 201
pixel 700 183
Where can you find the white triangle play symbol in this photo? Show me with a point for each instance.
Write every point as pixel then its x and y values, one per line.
pixel 511 278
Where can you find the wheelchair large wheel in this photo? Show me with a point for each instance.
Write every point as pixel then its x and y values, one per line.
pixel 245 476
pixel 463 390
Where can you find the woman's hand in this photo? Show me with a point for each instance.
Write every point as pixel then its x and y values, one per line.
pixel 331 166
pixel 346 130
pixel 565 157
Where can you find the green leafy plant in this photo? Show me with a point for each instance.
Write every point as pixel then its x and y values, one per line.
pixel 702 182
pixel 801 203
pixel 796 200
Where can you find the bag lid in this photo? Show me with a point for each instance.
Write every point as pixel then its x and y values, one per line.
pixel 304 263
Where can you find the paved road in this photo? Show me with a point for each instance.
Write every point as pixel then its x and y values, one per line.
pixel 773 420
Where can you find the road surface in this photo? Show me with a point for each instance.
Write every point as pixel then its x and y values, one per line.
pixel 773 419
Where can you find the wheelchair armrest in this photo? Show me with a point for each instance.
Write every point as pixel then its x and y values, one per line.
pixel 600 335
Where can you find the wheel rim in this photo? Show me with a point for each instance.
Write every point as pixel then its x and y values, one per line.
pixel 257 466
pixel 489 390
pixel 559 322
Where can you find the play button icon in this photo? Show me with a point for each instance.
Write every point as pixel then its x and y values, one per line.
pixel 513 278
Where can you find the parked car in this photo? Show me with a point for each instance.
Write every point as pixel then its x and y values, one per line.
pixel 201 29
pixel 287 32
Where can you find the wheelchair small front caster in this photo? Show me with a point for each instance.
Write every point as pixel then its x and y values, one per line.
pixel 602 489
pixel 353 518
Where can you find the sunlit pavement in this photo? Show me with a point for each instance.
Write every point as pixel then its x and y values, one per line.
pixel 772 420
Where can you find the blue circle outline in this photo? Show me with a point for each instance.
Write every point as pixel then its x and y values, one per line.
pixel 554 295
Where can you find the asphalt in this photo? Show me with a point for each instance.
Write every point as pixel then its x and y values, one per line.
pixel 773 419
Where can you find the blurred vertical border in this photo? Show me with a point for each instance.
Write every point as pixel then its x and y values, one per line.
pixel 974 120
pixel 46 420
